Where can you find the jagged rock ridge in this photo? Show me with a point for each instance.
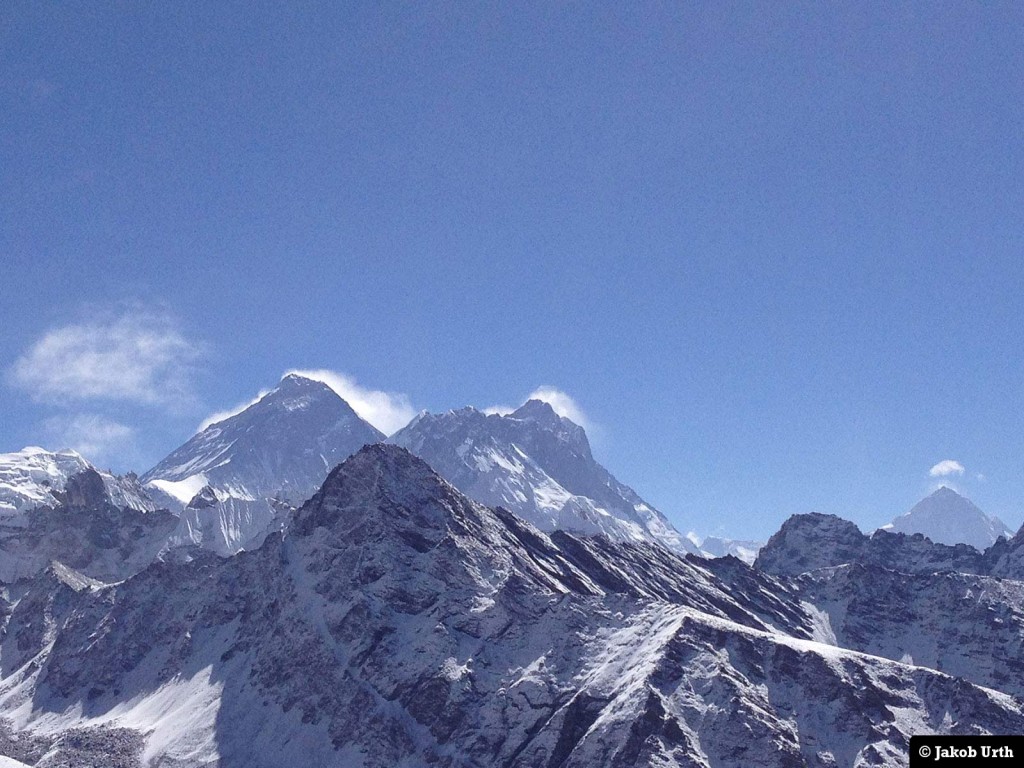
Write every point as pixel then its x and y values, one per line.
pixel 57 506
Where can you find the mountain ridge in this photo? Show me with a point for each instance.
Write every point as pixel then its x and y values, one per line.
pixel 399 622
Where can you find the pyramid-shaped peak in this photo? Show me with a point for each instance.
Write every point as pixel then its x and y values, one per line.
pixel 386 464
pixel 947 517
pixel 297 379
pixel 946 498
pixel 378 476
pixel 295 392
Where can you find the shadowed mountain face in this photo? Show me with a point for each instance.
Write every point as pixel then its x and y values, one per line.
pixel 251 469
pixel 538 465
pixel 400 623
pixel 811 542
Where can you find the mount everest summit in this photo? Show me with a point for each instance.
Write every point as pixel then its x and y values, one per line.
pixel 286 588
pixel 241 477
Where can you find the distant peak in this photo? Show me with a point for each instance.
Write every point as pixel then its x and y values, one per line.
pixel 945 490
pixel 35 450
pixel 536 410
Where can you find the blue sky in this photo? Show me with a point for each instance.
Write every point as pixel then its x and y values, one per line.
pixel 772 253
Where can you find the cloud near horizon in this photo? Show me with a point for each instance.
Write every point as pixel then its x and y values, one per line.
pixel 946 468
pixel 136 356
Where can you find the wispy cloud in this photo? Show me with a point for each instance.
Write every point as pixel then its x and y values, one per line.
pixel 387 411
pixel 137 356
pixel 96 437
pixel 946 468
pixel 213 418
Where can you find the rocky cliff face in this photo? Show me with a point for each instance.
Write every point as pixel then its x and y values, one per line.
pixel 814 541
pixel 811 541
pixel 397 622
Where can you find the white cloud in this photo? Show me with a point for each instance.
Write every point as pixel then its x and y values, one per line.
pixel 213 418
pixel 500 410
pixel 97 438
pixel 138 356
pixel 562 404
pixel 387 411
pixel 946 468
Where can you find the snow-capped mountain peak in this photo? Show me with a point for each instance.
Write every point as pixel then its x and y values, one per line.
pixel 539 465
pixel 542 414
pixel 400 623
pixel 254 465
pixel 285 443
pixel 946 517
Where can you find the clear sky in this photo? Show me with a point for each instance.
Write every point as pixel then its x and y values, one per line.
pixel 772 251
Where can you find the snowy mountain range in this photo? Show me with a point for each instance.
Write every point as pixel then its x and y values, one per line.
pixel 57 506
pixel 496 599
pixel 397 622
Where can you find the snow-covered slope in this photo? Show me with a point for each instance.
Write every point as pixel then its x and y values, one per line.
pixel 946 517
pixel 539 465
pixel 85 526
pixel 398 623
pixel 30 478
pixel 254 467
pixel 57 506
